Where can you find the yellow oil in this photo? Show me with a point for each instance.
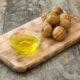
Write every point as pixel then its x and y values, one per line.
pixel 25 44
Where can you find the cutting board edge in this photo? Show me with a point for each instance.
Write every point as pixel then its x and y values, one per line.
pixel 24 68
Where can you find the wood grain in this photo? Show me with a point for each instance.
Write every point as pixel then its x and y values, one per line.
pixel 2 14
pixel 61 67
pixel 46 50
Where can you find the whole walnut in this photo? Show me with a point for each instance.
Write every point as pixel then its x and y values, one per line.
pixel 46 29
pixel 65 16
pixel 57 10
pixel 65 23
pixel 59 33
pixel 44 15
pixel 53 18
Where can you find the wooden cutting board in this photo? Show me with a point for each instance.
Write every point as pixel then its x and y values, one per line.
pixel 48 47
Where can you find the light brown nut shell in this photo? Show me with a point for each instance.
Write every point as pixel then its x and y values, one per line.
pixel 53 19
pixel 65 23
pixel 57 10
pixel 44 15
pixel 46 29
pixel 59 33
pixel 65 16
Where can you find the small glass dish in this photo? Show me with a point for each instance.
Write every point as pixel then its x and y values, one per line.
pixel 25 42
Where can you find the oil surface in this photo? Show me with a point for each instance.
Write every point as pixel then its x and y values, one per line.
pixel 25 42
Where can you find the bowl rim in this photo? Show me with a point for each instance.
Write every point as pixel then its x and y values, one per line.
pixel 34 34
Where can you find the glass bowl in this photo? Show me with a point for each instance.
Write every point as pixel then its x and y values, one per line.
pixel 25 42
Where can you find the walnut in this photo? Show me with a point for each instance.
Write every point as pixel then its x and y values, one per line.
pixel 65 23
pixel 46 29
pixel 65 16
pixel 44 15
pixel 56 23
pixel 59 33
pixel 53 18
pixel 57 10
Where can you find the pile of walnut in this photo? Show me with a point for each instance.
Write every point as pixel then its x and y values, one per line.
pixel 56 23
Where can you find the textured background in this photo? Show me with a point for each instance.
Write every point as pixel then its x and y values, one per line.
pixel 65 66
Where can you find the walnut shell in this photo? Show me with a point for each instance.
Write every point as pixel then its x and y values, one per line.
pixel 57 10
pixel 46 29
pixel 65 16
pixel 44 15
pixel 53 19
pixel 59 33
pixel 65 23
